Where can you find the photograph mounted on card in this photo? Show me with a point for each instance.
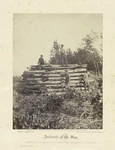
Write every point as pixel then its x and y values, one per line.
pixel 57 71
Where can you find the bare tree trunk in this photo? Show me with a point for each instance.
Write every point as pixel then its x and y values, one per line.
pixel 98 68
pixel 95 68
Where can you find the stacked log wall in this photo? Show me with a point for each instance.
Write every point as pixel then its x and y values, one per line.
pixel 52 80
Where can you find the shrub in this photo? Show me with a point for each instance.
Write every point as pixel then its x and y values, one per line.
pixel 75 110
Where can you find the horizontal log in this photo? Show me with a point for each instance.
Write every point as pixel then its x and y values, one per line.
pixel 63 90
pixel 71 75
pixel 54 72
pixel 38 87
pixel 34 91
pixel 56 90
pixel 75 79
pixel 63 79
pixel 70 66
pixel 60 79
pixel 55 76
pixel 57 93
pixel 42 65
pixel 31 83
pixel 33 79
pixel 63 86
pixel 52 85
pixel 57 70
pixel 40 75
pixel 35 72
pixel 45 82
pixel 40 79
pixel 69 71
pixel 33 75
pixel 57 65
pixel 42 83
pixel 79 72
pixel 80 85
pixel 72 83
pixel 57 83
pixel 33 87
pixel 50 80
pixel 76 74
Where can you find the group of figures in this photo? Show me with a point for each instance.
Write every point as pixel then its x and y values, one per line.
pixel 63 58
pixel 64 62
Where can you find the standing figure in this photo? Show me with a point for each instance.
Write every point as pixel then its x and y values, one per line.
pixel 67 79
pixel 63 56
pixel 40 63
pixel 86 81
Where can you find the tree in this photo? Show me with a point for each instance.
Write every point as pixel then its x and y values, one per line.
pixel 69 56
pixel 90 54
pixel 54 56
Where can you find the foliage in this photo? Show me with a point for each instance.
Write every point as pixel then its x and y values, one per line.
pixel 55 56
pixel 70 56
pixel 89 53
pixel 93 56
pixel 32 111
pixel 74 110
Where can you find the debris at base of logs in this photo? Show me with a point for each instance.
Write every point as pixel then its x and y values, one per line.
pixel 49 78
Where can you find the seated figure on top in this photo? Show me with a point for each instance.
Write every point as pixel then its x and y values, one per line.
pixel 41 61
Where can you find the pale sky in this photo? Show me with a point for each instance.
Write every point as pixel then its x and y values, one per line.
pixel 34 34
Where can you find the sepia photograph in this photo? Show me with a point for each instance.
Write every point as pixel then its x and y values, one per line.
pixel 57 71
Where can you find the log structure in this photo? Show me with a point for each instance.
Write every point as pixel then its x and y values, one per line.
pixel 51 78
